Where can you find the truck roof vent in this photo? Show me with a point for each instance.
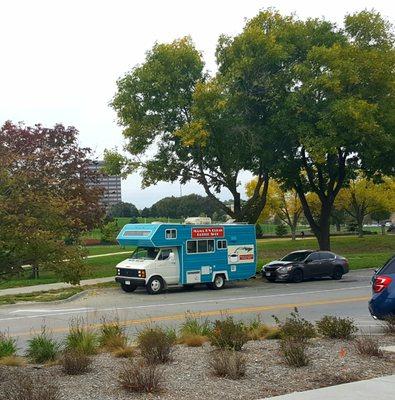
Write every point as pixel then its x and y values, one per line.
pixel 198 220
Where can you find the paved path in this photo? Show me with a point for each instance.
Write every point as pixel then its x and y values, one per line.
pixel 379 388
pixel 51 286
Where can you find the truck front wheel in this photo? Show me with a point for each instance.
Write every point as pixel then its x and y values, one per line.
pixel 128 288
pixel 218 283
pixel 155 285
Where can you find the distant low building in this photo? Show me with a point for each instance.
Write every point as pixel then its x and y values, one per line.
pixel 111 185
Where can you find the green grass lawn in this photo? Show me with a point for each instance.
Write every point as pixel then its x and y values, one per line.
pixel 367 252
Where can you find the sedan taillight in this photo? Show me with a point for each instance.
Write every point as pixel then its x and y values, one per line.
pixel 381 282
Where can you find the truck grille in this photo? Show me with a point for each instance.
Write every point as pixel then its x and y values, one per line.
pixel 128 272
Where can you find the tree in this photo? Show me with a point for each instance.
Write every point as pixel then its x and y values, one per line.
pixel 327 94
pixel 179 125
pixel 364 197
pixel 46 197
pixel 283 204
pixel 123 210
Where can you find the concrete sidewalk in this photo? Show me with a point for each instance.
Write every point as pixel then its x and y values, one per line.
pixel 378 388
pixel 51 286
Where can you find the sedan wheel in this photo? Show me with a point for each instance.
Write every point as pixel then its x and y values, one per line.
pixel 337 273
pixel 297 276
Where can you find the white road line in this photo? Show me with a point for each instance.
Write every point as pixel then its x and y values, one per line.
pixel 68 312
pixel 48 310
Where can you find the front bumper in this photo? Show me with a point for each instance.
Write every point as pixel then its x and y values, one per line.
pixel 132 281
pixel 278 276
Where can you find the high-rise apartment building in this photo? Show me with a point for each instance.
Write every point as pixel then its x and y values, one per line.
pixel 111 185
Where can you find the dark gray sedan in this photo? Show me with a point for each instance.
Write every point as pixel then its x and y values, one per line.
pixel 306 264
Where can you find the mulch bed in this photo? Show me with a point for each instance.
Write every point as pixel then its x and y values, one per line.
pixel 188 376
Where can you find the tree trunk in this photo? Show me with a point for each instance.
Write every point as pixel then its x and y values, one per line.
pixel 337 226
pixel 360 228
pixel 293 232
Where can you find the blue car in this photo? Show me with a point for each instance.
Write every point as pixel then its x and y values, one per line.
pixel 382 303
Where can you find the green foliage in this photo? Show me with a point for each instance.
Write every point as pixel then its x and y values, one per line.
pixel 112 334
pixel 50 181
pixel 193 325
pixel 75 362
pixel 295 327
pixel 229 334
pixel 7 345
pixel 294 352
pixel 81 338
pixel 123 210
pixel 228 364
pixel 155 344
pixel 42 347
pixel 141 377
pixel 281 230
pixel 109 232
pixel 258 231
pixel 336 327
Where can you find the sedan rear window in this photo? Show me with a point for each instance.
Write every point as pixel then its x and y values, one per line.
pixel 297 256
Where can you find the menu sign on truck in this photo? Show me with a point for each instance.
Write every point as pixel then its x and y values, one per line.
pixel 213 232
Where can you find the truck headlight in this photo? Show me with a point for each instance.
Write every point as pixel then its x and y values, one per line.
pixel 141 273
pixel 118 271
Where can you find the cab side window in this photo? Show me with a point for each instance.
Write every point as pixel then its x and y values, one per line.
pixel 164 254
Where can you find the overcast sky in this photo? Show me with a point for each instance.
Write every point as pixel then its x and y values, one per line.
pixel 60 58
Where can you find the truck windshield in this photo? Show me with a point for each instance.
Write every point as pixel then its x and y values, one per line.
pixel 297 256
pixel 144 253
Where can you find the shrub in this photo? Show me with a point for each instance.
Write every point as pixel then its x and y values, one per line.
pixel 141 377
pixel 273 333
pixel 389 325
pixel 193 340
pixel 155 344
pixel 281 230
pixel 75 362
pixel 294 352
pixel 12 361
pixel 81 338
pixel 28 387
pixel 124 352
pixel 295 327
pixel 42 347
pixel 256 329
pixel 228 363
pixel 112 335
pixel 336 328
pixel 7 345
pixel 228 334
pixel 368 345
pixel 195 326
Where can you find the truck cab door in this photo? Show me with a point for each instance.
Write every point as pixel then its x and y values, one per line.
pixel 167 266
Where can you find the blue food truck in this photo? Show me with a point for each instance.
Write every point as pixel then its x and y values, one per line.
pixel 179 254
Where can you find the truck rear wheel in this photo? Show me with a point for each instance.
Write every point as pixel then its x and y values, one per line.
pixel 155 285
pixel 128 288
pixel 218 283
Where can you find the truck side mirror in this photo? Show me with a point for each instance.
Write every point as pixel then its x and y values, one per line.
pixel 171 256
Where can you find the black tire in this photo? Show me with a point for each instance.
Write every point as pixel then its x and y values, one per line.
pixel 128 288
pixel 155 285
pixel 218 283
pixel 297 276
pixel 270 279
pixel 337 273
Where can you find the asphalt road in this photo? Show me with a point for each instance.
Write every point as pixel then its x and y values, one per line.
pixel 245 300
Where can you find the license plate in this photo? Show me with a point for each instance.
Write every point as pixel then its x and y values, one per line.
pixel 268 273
pixel 127 282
